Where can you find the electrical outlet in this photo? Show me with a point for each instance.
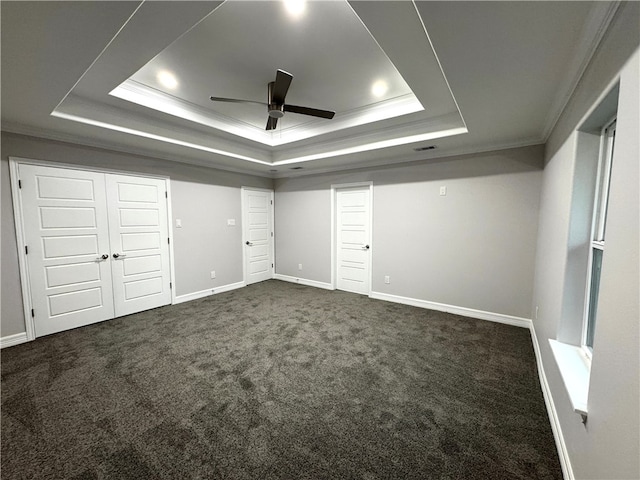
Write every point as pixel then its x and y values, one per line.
pixel 299 266
pixel 213 274
pixel 443 191
pixel 387 279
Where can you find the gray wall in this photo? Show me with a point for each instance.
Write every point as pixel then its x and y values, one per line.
pixel 202 198
pixel 608 446
pixel 473 248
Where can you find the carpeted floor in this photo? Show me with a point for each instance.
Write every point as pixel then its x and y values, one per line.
pixel 277 381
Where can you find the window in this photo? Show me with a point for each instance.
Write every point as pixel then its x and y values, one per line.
pixel 598 230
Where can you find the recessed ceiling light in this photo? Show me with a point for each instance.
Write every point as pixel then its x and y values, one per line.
pixel 295 8
pixel 379 88
pixel 167 79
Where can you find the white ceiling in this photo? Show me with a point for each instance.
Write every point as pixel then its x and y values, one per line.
pixel 463 76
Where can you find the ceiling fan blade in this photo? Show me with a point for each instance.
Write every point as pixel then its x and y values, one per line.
pixel 271 123
pixel 234 100
pixel 283 80
pixel 314 112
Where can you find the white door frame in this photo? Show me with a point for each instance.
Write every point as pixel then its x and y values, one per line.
pixel 14 163
pixel 334 233
pixel 245 233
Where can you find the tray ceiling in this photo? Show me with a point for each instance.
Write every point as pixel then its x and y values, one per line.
pixel 503 65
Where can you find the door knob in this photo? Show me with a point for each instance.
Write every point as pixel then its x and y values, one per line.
pixel 102 257
pixel 119 255
pixel 366 247
pixel 249 243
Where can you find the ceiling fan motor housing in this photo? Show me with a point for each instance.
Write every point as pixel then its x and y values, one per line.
pixel 275 111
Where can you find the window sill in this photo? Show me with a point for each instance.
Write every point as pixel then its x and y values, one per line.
pixel 575 368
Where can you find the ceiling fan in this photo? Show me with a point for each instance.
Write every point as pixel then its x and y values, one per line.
pixel 276 108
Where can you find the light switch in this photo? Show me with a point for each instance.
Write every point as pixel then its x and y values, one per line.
pixel 231 222
pixel 178 223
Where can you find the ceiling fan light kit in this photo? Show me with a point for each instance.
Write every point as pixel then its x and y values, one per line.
pixel 276 108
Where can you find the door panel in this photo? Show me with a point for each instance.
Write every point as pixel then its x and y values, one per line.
pixel 52 217
pixel 79 273
pixel 139 236
pixel 138 217
pixel 65 224
pixel 72 218
pixel 75 302
pixel 257 231
pixel 131 242
pixel 353 234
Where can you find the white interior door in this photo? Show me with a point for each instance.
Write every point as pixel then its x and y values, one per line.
pixel 67 247
pixel 139 239
pixel 258 234
pixel 353 237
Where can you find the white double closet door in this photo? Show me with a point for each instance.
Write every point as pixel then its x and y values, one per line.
pixel 96 245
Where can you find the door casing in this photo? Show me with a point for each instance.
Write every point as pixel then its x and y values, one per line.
pixel 14 163
pixel 334 235
pixel 245 232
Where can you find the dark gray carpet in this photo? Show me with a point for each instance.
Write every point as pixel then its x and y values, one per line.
pixel 277 381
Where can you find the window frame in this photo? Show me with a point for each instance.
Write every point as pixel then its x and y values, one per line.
pixel 598 223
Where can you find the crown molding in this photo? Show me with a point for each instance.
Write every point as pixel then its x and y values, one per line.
pixel 78 140
pixel 597 24
pixel 283 170
pixel 140 94
pixel 412 158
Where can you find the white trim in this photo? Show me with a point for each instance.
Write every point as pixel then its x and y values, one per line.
pixel 408 159
pixel 11 340
pixel 464 311
pixel 14 165
pixel 435 54
pixel 596 27
pixel 272 238
pixel 155 154
pixel 209 291
pixel 14 171
pixel 334 239
pixel 561 446
pixel 153 136
pixel 84 168
pixel 172 266
pixel 575 370
pixel 140 94
pixel 386 161
pixel 303 281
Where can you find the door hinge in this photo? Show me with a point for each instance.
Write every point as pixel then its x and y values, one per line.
pixel 33 313
pixel 272 265
pixel 170 285
pixel 166 195
pixel 168 240
pixel 19 183
pixel 26 250
pixel 272 234
pixel 271 202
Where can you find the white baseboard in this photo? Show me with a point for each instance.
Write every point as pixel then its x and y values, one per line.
pixel 563 454
pixel 209 291
pixel 303 281
pixel 11 340
pixel 464 311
